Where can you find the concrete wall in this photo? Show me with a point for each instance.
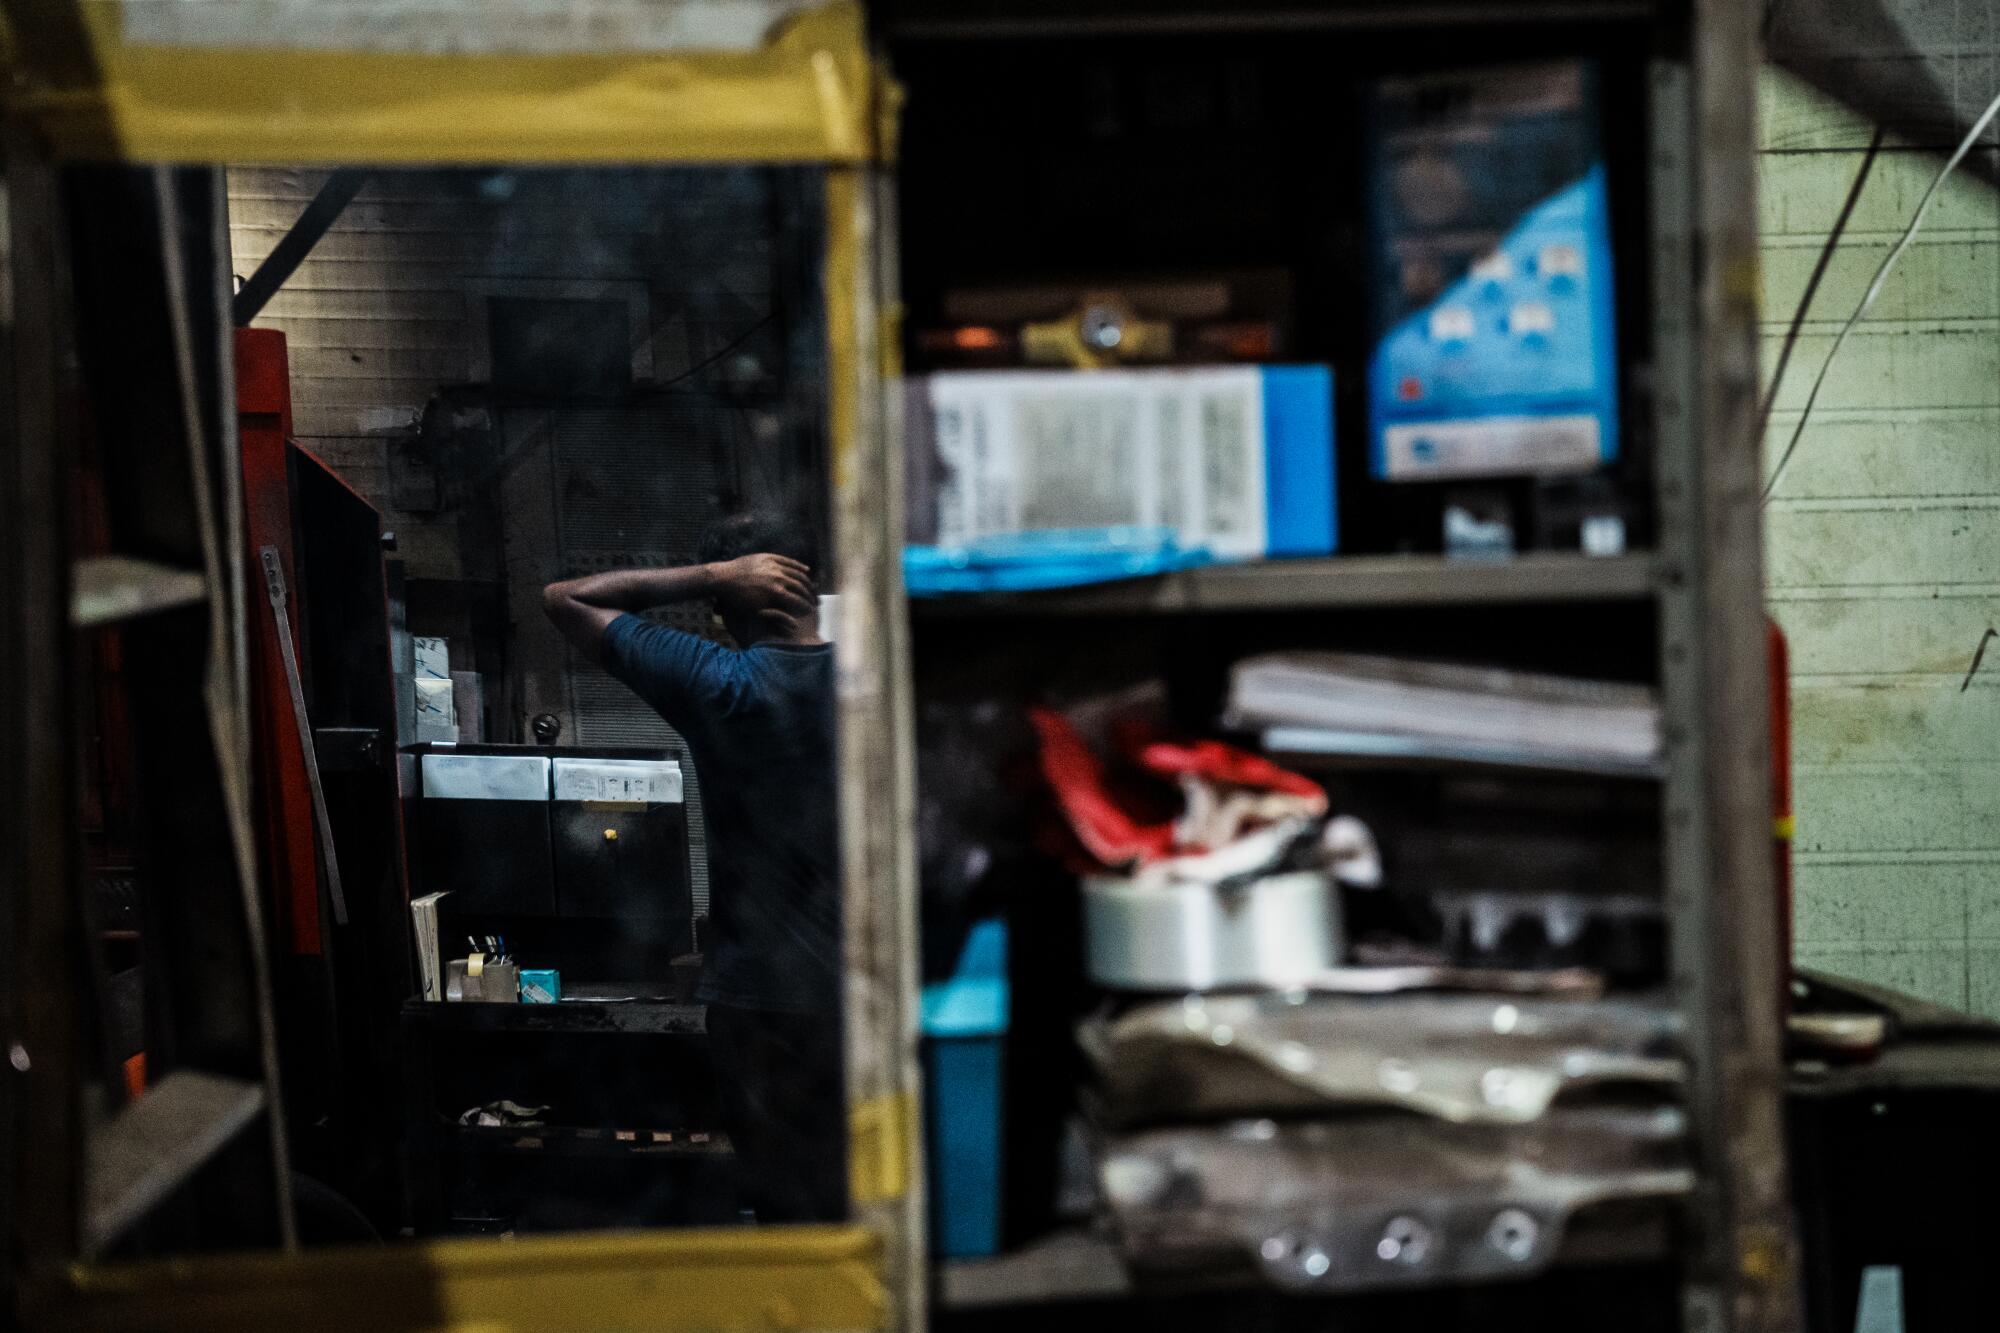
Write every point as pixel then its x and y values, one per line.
pixel 1884 555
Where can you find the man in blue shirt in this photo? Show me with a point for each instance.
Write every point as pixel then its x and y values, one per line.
pixel 759 722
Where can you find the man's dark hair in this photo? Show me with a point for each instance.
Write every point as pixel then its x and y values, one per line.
pixel 758 532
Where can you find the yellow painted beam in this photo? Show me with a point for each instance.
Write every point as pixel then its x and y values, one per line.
pixel 773 1278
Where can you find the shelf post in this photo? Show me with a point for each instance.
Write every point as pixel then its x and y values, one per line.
pixel 1724 946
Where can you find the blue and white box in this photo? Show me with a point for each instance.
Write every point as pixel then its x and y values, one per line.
pixel 1148 469
pixel 1497 345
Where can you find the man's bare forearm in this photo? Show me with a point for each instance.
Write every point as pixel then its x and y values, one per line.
pixel 583 608
pixel 638 589
pixel 773 593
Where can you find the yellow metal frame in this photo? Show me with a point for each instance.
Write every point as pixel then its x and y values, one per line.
pixel 804 96
pixel 810 95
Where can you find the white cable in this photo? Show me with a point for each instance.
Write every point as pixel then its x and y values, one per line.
pixel 1875 287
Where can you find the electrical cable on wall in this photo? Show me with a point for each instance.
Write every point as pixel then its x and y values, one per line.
pixel 1875 287
pixel 1818 273
pixel 714 357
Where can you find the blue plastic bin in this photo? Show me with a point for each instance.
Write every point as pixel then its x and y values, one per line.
pixel 965 1030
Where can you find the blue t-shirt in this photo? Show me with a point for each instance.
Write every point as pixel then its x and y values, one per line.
pixel 759 724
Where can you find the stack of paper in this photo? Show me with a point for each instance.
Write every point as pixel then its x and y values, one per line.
pixel 1349 703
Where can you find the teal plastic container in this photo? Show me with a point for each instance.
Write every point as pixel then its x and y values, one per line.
pixel 965 1033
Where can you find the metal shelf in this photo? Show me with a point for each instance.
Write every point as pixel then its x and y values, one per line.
pixel 1332 582
pixel 1079 1265
pixel 639 1017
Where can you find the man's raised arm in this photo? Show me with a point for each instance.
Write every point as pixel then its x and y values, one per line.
pixel 583 608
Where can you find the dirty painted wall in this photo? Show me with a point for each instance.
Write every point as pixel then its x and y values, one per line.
pixel 385 309
pixel 1884 550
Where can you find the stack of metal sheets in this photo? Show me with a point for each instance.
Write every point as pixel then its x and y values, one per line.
pixel 1343 1141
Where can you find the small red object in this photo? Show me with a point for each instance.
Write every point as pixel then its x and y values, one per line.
pixel 1410 388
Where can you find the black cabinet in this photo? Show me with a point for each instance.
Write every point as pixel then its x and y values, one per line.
pixel 577 856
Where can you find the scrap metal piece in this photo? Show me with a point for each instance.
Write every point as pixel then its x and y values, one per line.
pixel 1459 1057
pixel 1380 1201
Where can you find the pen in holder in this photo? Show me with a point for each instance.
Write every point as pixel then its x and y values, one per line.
pixel 481 979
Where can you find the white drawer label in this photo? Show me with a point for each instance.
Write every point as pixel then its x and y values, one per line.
pixel 654 781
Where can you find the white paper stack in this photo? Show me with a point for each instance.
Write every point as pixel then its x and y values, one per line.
pixel 1347 703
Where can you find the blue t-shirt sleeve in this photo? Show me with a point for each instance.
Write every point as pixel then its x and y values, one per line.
pixel 681 675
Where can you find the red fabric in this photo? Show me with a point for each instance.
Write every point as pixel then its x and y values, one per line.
pixel 1077 778
pixel 1119 822
pixel 1227 765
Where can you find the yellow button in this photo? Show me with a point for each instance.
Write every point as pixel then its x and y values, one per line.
pixel 611 835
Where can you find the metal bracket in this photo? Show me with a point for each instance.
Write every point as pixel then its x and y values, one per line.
pixel 274 584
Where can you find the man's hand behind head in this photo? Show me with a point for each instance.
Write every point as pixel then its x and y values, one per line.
pixel 757 586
